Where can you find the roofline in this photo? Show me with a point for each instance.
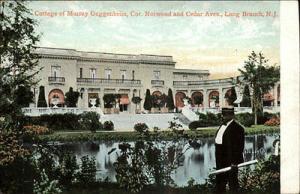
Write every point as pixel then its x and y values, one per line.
pixel 102 52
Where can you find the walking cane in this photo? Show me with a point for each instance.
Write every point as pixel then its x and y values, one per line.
pixel 222 170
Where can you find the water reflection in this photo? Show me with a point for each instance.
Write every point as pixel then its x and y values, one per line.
pixel 195 163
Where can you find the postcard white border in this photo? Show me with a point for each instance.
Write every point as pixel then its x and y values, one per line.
pixel 290 125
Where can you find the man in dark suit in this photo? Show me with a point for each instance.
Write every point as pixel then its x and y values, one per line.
pixel 229 147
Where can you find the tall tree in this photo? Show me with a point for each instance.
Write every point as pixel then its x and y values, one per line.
pixel 18 63
pixel 109 100
pixel 246 100
pixel 231 96
pixel 148 101
pixel 41 100
pixel 198 100
pixel 18 67
pixel 170 100
pixel 136 100
pixel 23 96
pixel 260 77
pixel 71 98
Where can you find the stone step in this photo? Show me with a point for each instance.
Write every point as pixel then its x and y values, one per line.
pixel 183 119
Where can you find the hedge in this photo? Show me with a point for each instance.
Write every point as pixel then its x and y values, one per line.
pixel 246 119
pixel 69 121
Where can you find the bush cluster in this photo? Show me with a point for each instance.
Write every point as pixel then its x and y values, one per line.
pixel 30 132
pixel 274 121
pixel 108 126
pixel 246 119
pixel 85 121
pixel 141 127
pixel 90 121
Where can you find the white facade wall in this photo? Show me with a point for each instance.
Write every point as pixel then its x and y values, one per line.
pixel 71 61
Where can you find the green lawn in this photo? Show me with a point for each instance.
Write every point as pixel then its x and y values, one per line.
pixel 69 136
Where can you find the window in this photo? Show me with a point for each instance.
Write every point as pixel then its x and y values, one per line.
pixel 184 77
pixel 107 73
pixel 123 74
pixel 55 71
pixel 93 73
pixel 156 75
pixel 133 75
pixel 80 72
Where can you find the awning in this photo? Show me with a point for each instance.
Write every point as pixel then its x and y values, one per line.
pixel 124 100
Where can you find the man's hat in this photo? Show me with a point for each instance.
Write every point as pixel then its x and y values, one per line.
pixel 227 110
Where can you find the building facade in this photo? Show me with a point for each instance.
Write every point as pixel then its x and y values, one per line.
pixel 94 74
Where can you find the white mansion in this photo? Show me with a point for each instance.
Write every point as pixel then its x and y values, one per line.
pixel 94 74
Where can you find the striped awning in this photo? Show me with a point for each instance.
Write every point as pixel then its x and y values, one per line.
pixel 124 100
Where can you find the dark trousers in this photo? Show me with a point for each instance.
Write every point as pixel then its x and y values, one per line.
pixel 230 177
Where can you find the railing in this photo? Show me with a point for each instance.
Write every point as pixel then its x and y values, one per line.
pixel 157 82
pixel 56 79
pixel 270 109
pixel 47 110
pixel 202 82
pixel 108 81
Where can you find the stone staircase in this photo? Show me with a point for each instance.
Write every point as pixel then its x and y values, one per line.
pixel 183 119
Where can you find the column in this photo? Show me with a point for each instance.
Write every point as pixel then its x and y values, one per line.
pixel 101 94
pixel 131 107
pixel 205 98
pixel 221 97
pixel 85 98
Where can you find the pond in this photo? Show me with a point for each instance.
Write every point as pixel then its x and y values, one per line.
pixel 196 163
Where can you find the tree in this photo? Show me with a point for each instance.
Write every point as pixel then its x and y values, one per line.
pixel 18 63
pixel 260 77
pixel 109 100
pixel 41 100
pixel 198 100
pixel 170 101
pixel 246 100
pixel 148 101
pixel 23 96
pixel 71 98
pixel 45 185
pixel 231 96
pixel 136 100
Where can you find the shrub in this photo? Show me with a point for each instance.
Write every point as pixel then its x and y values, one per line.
pixel 213 119
pixel 31 132
pixel 71 98
pixel 245 119
pixel 274 121
pixel 68 121
pixel 265 178
pixel 196 124
pixel 262 118
pixel 148 101
pixel 36 129
pixel 141 127
pixel 209 119
pixel 45 185
pixel 108 126
pixel 87 173
pixel 41 99
pixel 67 169
pixel 90 121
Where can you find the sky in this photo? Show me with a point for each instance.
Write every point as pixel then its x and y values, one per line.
pixel 219 43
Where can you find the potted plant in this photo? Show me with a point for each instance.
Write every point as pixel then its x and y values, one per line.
pixel 136 100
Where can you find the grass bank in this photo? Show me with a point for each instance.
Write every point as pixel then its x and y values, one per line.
pixel 75 136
